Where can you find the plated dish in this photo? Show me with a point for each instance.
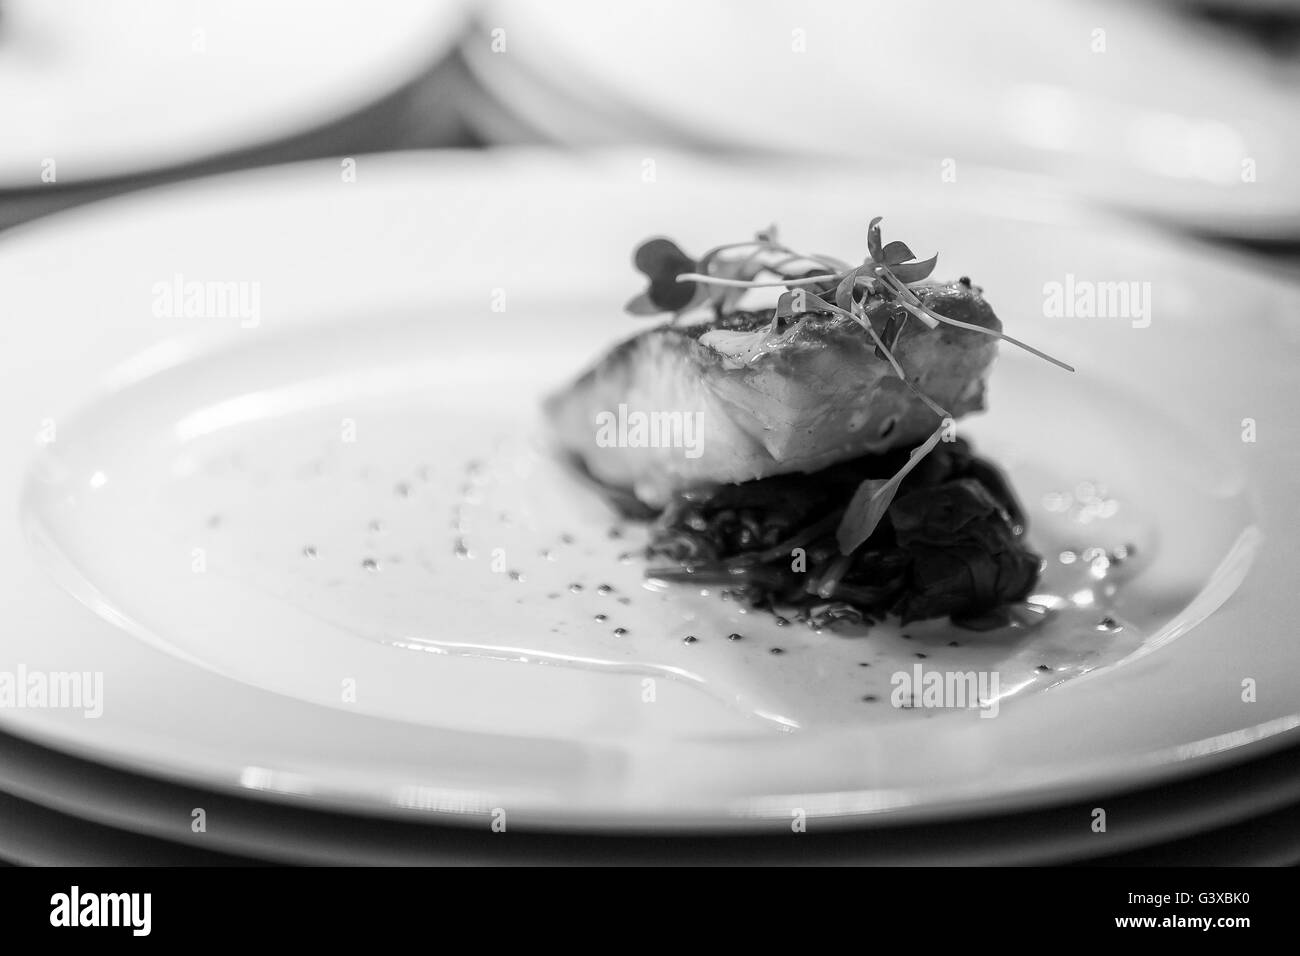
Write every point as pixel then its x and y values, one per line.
pixel 255 532
pixel 805 456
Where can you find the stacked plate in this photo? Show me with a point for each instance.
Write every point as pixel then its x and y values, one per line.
pixel 96 96
pixel 285 548
pixel 133 86
pixel 1132 106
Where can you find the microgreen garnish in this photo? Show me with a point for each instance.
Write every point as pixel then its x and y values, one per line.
pixel 814 284
pixel 663 263
pixel 884 275
pixel 873 498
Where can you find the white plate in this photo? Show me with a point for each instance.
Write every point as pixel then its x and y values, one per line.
pixel 376 317
pixel 1129 105
pixel 1190 813
pixel 114 88
pixel 32 835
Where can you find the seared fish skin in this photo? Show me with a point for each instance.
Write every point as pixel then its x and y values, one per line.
pixel 813 397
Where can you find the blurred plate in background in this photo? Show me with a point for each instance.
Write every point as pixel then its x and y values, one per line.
pixel 108 88
pixel 1126 104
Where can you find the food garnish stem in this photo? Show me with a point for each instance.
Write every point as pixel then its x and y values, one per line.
pixel 889 356
pixel 750 284
pixel 999 335
pixel 824 587
pixel 898 369
pixel 914 306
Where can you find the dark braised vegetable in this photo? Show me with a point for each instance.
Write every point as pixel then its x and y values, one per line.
pixel 951 543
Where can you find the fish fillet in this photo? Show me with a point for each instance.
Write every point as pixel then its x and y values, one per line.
pixel 679 408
